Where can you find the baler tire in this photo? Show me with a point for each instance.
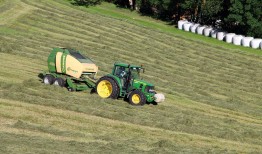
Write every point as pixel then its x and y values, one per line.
pixel 70 89
pixel 60 82
pixel 137 98
pixel 115 89
pixel 48 79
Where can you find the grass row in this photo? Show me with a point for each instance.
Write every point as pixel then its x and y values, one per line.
pixel 213 93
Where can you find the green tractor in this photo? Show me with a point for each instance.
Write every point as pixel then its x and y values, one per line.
pixel 69 68
pixel 125 81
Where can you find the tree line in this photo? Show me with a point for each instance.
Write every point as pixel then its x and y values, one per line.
pixel 238 16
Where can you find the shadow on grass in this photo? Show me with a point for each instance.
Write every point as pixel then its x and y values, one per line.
pixel 40 76
pixel 147 103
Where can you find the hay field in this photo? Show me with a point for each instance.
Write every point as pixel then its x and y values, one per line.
pixel 213 90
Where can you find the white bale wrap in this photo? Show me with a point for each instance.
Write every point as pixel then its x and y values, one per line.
pixel 237 39
pixel 200 30
pixel 194 27
pixel 256 43
pixel 181 23
pixel 221 35
pixel 213 33
pixel 246 41
pixel 229 37
pixel 207 31
pixel 186 26
pixel 261 45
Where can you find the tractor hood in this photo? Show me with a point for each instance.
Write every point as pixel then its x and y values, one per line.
pixel 137 81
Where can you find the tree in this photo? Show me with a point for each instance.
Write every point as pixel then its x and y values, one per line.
pixel 202 11
pixel 244 17
pixel 86 2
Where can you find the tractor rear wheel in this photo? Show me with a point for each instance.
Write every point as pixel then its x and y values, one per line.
pixel 137 98
pixel 48 79
pixel 106 87
pixel 59 82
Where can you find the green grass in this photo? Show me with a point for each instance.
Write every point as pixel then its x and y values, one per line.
pixel 213 89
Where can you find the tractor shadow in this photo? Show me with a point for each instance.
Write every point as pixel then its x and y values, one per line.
pixel 40 77
pixel 147 103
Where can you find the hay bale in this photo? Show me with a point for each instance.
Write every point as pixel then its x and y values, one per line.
pixel 229 37
pixel 207 31
pixel 261 45
pixel 221 35
pixel 256 43
pixel 200 30
pixel 194 27
pixel 237 39
pixel 186 26
pixel 246 41
pixel 181 23
pixel 213 33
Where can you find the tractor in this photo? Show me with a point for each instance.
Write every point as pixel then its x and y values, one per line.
pixel 125 81
pixel 69 68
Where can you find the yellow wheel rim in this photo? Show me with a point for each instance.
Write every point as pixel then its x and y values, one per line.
pixel 136 99
pixel 104 89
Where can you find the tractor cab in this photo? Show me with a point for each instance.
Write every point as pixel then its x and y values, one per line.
pixel 127 73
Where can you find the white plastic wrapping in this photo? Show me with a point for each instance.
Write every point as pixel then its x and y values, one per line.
pixel 207 31
pixel 229 37
pixel 181 23
pixel 237 39
pixel 246 41
pixel 256 43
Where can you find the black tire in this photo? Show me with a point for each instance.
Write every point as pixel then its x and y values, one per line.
pixel 70 89
pixel 59 82
pixel 115 88
pixel 48 79
pixel 137 93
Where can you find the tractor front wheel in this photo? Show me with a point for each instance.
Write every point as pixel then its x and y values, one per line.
pixel 137 98
pixel 106 87
pixel 48 79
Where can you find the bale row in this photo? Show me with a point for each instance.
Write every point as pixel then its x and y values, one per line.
pixel 220 34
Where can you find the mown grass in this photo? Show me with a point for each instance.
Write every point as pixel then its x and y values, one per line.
pixel 213 91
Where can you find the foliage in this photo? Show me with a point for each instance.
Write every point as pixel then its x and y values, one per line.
pixel 245 17
pixel 86 2
pixel 240 16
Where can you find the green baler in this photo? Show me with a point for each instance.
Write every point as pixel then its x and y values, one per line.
pixel 67 67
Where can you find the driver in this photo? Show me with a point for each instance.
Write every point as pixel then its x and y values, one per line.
pixel 122 72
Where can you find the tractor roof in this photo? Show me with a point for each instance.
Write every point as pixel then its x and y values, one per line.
pixel 126 65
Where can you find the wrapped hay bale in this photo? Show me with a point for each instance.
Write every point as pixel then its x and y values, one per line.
pixel 229 37
pixel 213 33
pixel 221 35
pixel 246 41
pixel 181 23
pixel 186 26
pixel 194 27
pixel 237 39
pixel 256 43
pixel 207 31
pixel 200 30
